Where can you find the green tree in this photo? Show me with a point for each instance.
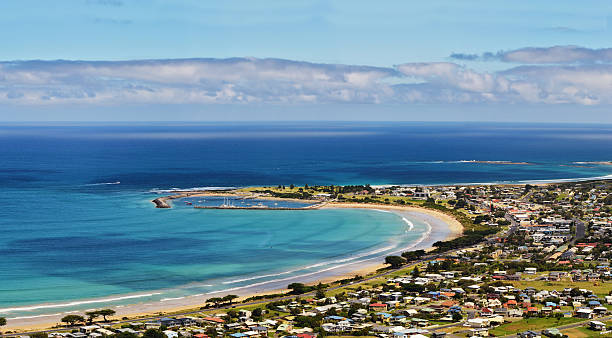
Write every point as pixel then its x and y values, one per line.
pixel 91 315
pixel 214 300
pixel 297 288
pixel 70 320
pixel 2 321
pixel 124 335
pixel 154 333
pixel 39 335
pixel 229 298
pixel 394 261
pixel 106 312
pixel 257 313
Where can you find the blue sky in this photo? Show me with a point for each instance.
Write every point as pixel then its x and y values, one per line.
pixel 301 56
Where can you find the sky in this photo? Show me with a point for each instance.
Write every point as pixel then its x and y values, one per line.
pixel 300 60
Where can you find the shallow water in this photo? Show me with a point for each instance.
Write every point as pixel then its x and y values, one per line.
pixel 77 222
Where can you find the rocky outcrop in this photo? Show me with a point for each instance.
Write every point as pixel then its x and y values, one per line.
pixel 161 203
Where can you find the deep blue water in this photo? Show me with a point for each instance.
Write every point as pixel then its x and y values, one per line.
pixel 186 155
pixel 67 234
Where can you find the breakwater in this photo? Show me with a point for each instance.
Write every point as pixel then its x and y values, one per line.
pixel 310 207
pixel 161 203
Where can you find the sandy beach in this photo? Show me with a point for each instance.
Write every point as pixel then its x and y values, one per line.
pixel 441 227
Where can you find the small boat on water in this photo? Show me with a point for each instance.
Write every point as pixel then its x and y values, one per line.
pixel 188 203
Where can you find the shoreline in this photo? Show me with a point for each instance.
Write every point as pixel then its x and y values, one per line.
pixel 441 227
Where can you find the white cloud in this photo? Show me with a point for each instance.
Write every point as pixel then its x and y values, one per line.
pixel 250 80
pixel 190 81
pixel 543 55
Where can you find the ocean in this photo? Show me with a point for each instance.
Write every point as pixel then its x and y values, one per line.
pixel 79 230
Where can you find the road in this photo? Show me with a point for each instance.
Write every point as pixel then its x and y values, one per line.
pixel 580 229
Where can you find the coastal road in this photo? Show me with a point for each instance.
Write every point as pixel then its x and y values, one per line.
pixel 513 224
pixel 580 229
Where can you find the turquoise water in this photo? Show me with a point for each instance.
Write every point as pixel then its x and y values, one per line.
pixel 85 246
pixel 77 222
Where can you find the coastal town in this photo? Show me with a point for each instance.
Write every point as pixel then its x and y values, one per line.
pixel 533 261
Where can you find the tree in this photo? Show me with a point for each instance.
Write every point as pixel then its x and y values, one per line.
pixel 257 313
pixel 91 315
pixel 2 321
pixel 106 312
pixel 123 335
pixel 394 261
pixel 320 294
pixel 154 333
pixel 229 298
pixel 39 335
pixel 297 288
pixel 457 317
pixel 70 320
pixel 413 255
pixel 214 300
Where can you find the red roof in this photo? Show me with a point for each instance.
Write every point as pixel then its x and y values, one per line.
pixel 378 305
pixel 214 319
pixel 304 335
pixel 532 309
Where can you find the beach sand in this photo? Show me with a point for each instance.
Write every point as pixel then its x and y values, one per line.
pixel 442 227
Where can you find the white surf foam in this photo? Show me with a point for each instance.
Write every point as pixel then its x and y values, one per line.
pixel 410 224
pixel 173 190
pixel 168 299
pixel 102 183
pixel 61 305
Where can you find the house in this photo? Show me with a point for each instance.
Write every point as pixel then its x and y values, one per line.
pixel 552 332
pixel 171 334
pixel 597 325
pixel 585 313
pixel 478 332
pixel 214 320
pixel 529 334
pixel 478 322
pixel 531 271
pixel 600 310
pixel 88 329
pixel 378 307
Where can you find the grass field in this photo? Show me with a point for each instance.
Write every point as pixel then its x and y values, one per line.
pixel 603 289
pixel 583 332
pixel 532 324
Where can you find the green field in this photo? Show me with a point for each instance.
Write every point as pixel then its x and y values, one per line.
pixel 602 289
pixel 532 324
pixel 583 332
